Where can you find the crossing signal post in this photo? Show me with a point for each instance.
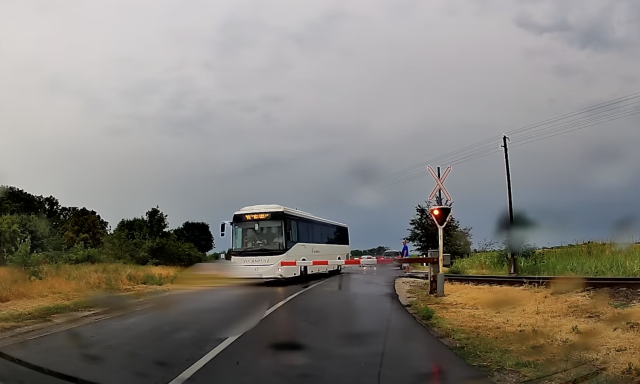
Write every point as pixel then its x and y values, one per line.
pixel 440 215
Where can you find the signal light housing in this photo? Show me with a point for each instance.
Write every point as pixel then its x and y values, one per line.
pixel 440 214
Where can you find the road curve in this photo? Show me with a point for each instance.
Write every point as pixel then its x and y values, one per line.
pixel 349 328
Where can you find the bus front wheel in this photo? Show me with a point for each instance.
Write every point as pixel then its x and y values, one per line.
pixel 303 271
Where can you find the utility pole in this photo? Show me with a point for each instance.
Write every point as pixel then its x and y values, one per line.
pixel 512 261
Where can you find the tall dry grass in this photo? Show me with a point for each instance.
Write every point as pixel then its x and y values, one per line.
pixel 74 281
pixel 536 331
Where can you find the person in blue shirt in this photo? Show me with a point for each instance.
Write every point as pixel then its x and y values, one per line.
pixel 405 249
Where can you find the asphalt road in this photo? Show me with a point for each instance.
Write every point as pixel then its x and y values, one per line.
pixel 349 328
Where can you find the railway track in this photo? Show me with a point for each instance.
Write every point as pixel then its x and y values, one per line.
pixel 592 282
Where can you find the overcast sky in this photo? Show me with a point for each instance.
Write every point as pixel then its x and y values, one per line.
pixel 203 107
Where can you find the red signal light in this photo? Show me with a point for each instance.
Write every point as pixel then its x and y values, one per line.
pixel 440 214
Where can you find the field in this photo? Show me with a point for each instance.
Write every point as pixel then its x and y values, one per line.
pixel 61 288
pixel 518 334
pixel 590 259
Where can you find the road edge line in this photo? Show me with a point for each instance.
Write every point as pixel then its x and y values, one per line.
pixel 195 367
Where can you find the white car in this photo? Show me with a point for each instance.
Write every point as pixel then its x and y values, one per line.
pixel 366 257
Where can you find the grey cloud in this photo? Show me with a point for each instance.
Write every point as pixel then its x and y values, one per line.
pixel 322 31
pixel 586 25
pixel 206 108
pixel 364 172
pixel 567 70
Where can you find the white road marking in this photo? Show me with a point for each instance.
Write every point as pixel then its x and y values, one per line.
pixel 215 351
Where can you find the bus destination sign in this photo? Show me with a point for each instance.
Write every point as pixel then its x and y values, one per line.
pixel 257 216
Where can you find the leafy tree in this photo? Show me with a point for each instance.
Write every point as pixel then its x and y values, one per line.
pixel 15 201
pixel 169 251
pixel 86 227
pixel 157 223
pixel 37 230
pixel 25 259
pixel 197 233
pixel 423 234
pixel 10 237
pixel 377 251
pixel 152 225
pixel 52 209
pixel 119 247
pixel 133 229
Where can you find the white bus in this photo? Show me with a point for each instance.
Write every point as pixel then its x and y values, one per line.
pixel 262 236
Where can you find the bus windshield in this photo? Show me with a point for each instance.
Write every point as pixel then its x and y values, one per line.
pixel 269 236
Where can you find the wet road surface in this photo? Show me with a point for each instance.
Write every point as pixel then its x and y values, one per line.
pixel 349 328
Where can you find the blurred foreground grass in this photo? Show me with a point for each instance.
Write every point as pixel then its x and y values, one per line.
pixel 590 259
pixel 61 286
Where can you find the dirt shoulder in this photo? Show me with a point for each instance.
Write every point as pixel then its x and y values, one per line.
pixel 518 334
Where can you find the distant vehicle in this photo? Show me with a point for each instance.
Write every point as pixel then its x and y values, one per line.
pixel 262 236
pixel 366 257
pixel 391 254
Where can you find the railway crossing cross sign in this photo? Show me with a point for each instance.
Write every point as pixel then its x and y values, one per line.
pixel 440 214
pixel 439 183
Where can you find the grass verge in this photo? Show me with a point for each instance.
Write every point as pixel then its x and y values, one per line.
pixel 519 334
pixel 43 312
pixel 63 288
pixel 589 259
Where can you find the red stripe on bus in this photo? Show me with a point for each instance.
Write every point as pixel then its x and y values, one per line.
pixel 320 262
pixel 352 262
pixel 288 263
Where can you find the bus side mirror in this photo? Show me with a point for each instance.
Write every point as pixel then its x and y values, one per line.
pixel 222 229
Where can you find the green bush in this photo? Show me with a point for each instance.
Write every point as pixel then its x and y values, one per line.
pixel 81 255
pixel 479 263
pixel 424 312
pixel 169 251
pixel 23 258
pixel 457 268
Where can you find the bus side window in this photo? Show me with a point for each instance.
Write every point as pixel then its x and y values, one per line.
pixel 292 232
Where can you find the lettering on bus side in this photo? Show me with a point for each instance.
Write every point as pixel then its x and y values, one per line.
pixel 255 261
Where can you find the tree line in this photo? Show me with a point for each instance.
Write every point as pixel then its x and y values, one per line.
pixel 377 251
pixel 37 230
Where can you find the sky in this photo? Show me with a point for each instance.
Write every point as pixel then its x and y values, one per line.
pixel 203 107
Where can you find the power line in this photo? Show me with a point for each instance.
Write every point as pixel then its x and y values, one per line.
pixel 479 149
pixel 590 119
pixel 423 172
pixel 579 112
pixel 518 143
pixel 574 121
pixel 575 129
